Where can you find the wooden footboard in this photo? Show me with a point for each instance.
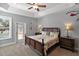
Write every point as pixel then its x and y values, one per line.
pixel 35 44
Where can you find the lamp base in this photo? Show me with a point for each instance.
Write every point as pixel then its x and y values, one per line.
pixel 68 36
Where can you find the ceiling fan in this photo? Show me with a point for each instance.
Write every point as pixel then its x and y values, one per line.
pixel 36 6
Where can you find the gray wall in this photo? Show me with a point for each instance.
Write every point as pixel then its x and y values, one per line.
pixel 19 18
pixel 53 20
pixel 58 20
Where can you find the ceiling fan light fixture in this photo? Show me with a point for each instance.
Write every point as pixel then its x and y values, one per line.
pixel 35 6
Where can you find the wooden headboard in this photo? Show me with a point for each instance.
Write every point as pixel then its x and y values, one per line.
pixel 51 29
pixel 55 29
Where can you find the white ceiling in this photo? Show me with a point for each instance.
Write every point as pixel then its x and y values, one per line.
pixel 22 8
pixel 25 6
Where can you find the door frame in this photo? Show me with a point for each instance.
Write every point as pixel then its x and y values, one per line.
pixel 16 30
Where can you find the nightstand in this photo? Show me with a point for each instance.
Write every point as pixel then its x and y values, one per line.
pixel 67 43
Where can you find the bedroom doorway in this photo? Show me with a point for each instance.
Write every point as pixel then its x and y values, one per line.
pixel 20 32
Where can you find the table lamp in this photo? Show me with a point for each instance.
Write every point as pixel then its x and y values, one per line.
pixel 68 27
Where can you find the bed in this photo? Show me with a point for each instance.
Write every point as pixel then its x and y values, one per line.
pixel 43 42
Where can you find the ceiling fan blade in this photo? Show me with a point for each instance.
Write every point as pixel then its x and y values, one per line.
pixel 41 5
pixel 37 9
pixel 30 8
pixel 31 3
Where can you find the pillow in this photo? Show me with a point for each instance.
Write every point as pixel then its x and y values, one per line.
pixel 48 33
pixel 43 33
pixel 54 34
pixel 51 33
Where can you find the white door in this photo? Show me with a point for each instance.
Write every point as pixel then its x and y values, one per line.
pixel 20 32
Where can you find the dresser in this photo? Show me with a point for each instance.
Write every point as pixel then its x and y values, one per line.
pixel 67 43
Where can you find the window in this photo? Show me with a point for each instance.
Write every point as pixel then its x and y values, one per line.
pixel 5 27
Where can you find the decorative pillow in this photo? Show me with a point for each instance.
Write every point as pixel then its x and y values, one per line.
pixel 54 34
pixel 51 33
pixel 48 33
pixel 43 33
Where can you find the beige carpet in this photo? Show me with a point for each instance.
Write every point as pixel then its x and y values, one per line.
pixel 20 49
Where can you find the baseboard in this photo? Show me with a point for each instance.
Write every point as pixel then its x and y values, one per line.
pixel 7 44
pixel 77 49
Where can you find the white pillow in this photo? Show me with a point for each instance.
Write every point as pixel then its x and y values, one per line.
pixel 54 34
pixel 51 33
pixel 43 33
pixel 48 33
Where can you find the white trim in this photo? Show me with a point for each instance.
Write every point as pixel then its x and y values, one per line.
pixel 10 26
pixel 2 45
pixel 77 49
pixel 12 9
pixel 17 12
pixel 24 31
pixel 58 8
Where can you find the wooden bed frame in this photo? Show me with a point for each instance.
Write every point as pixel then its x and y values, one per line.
pixel 37 45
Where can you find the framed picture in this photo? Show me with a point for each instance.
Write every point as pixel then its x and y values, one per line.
pixel 5 27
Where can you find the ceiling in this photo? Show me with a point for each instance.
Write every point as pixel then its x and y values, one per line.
pixel 22 8
pixel 25 6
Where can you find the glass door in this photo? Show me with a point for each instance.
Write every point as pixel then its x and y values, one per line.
pixel 20 32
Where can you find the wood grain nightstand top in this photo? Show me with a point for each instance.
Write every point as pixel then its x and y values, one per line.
pixel 68 37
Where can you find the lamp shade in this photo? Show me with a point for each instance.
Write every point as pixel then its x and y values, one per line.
pixel 68 26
